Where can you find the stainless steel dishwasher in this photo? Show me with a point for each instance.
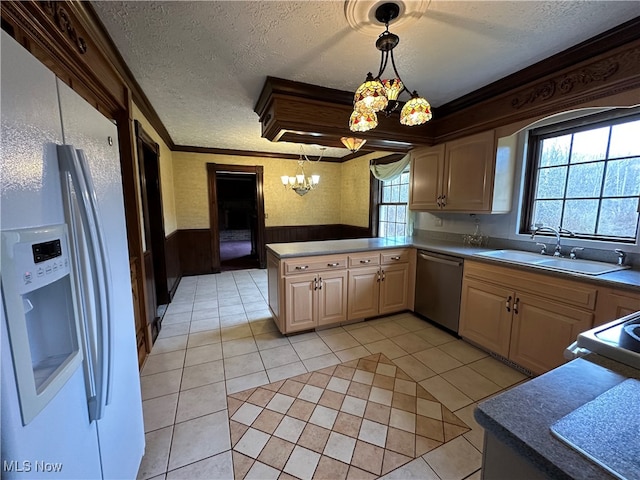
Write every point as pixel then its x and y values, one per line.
pixel 438 288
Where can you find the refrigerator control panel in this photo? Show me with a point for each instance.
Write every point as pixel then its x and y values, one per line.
pixel 40 256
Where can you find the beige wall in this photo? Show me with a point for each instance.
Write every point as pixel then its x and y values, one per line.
pixel 356 190
pixel 282 207
pixel 166 175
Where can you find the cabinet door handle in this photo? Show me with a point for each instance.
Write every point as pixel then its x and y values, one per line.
pixel 365 261
pixel 515 306
pixel 378 277
pixel 315 283
pixel 383 276
pixel 508 304
pixel 302 267
pixel 320 284
pixel 444 200
pixel 336 264
pixel 438 201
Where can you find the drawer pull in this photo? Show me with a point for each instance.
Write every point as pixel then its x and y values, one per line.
pixel 395 258
pixel 365 261
pixel 302 267
pixel 336 264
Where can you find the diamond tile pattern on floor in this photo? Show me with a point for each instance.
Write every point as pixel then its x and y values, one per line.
pixel 366 413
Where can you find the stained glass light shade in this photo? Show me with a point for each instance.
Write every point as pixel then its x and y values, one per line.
pixel 393 87
pixel 370 95
pixel 363 121
pixel 416 111
pixel 353 143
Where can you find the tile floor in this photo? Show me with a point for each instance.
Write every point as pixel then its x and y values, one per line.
pixel 218 339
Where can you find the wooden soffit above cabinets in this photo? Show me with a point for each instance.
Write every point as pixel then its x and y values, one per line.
pixel 299 112
pixel 583 75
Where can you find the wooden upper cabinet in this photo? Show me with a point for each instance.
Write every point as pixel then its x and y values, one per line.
pixel 427 165
pixel 470 175
pixel 468 170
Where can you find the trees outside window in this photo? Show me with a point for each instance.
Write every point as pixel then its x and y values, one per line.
pixel 586 179
pixel 393 210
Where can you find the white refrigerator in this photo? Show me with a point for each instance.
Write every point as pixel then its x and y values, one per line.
pixel 71 405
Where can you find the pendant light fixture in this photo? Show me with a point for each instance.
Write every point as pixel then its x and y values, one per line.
pixel 301 183
pixel 378 95
pixel 353 144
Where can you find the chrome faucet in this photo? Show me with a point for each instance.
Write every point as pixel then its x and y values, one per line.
pixel 621 256
pixel 541 229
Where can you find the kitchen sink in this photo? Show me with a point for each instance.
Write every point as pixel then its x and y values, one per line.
pixel 585 267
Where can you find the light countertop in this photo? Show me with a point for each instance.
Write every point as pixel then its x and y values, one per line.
pixel 629 279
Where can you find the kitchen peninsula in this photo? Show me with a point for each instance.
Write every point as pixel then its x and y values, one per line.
pixel 317 284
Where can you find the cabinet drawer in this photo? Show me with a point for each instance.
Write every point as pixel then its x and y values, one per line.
pixel 549 286
pixel 364 259
pixel 395 256
pixel 314 264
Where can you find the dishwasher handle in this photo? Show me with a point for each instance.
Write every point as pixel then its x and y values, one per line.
pixel 430 258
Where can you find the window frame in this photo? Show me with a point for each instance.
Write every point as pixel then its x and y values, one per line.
pixel 378 203
pixel 535 138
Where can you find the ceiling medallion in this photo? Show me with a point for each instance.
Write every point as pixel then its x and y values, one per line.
pixel 361 14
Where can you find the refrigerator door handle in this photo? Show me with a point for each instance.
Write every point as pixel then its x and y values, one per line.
pixel 70 164
pixel 105 332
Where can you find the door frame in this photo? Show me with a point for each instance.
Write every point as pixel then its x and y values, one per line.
pixel 212 171
pixel 153 213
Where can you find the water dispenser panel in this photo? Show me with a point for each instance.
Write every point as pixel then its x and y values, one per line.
pixel 43 315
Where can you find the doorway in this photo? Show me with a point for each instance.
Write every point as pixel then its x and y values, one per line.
pixel 156 285
pixel 236 214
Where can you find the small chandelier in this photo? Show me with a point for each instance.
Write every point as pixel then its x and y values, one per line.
pixel 301 183
pixel 353 144
pixel 376 95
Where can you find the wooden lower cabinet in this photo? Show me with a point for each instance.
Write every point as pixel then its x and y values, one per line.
pixel 300 302
pixel 332 298
pixel 380 290
pixel 310 292
pixel 364 292
pixel 485 315
pixel 615 303
pixel 524 319
pixel 313 300
pixel 394 288
pixel 541 331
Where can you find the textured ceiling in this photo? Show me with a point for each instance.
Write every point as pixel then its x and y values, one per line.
pixel 202 64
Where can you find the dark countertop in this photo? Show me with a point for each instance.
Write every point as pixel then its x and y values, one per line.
pixel 521 417
pixel 629 279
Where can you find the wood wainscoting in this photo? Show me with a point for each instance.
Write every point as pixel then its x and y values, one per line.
pixel 174 270
pixel 194 251
pixel 192 247
pixel 310 233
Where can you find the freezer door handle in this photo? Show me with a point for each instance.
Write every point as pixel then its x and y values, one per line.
pixel 71 166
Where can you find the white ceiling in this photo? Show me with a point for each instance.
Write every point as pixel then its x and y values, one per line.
pixel 202 64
